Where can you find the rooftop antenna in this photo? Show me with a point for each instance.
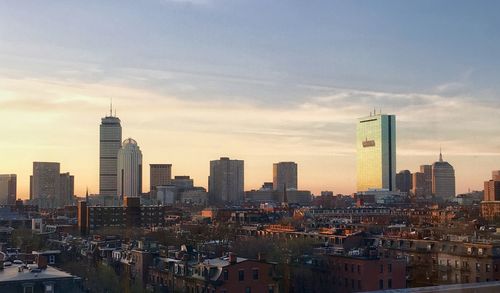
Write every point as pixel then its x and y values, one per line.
pixel 440 154
pixel 87 195
pixel 111 108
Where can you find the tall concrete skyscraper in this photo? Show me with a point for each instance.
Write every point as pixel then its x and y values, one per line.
pixel 418 184
pixel 129 169
pixel 404 181
pixel 159 174
pixel 376 152
pixel 45 184
pixel 66 189
pixel 492 187
pixel 443 179
pixel 110 139
pixel 8 188
pixel 427 183
pixel 226 181
pixel 284 174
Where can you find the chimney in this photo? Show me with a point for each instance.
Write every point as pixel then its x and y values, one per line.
pixel 232 258
pixel 41 261
pixel 261 256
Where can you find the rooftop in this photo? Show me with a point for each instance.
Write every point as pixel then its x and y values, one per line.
pixel 12 274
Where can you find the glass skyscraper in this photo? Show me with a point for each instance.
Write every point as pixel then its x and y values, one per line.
pixel 376 152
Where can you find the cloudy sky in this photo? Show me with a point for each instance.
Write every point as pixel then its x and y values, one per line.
pixel 263 81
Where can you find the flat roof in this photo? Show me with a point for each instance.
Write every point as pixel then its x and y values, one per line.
pixel 12 274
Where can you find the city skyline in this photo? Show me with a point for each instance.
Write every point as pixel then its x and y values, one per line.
pixel 253 90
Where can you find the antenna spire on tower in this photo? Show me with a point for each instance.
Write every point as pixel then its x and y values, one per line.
pixel 111 108
pixel 440 155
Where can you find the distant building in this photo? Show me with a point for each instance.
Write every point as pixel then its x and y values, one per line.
pixel 285 175
pixel 166 194
pixel 404 181
pixel 45 184
pixel 376 152
pixel 129 169
pixel 194 196
pixel 490 206
pixel 492 187
pixel 131 214
pixel 8 189
pixel 159 174
pixel 182 182
pixel 443 179
pixel 418 184
pixel 495 175
pixel 427 184
pixel 110 142
pixel 226 181
pixel 66 189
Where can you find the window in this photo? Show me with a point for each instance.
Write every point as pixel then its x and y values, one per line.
pixel 359 269
pixel 359 284
pixel 389 268
pixel 248 290
pixel 241 275
pixel 456 264
pixel 255 274
pixel 28 288
pixel 270 289
pixel 225 275
pixel 52 259
pixel 381 284
pixel 346 283
pixel 381 268
pixel 488 267
pixel 352 268
pixel 352 284
pixel 478 267
pixel 389 283
pixel 345 267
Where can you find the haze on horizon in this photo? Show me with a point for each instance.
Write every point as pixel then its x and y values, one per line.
pixel 261 81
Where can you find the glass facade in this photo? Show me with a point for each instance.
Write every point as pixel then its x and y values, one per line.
pixel 376 152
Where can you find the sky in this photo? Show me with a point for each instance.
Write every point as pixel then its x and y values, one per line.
pixel 262 81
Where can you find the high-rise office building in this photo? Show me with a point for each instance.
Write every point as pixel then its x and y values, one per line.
pixel 376 152
pixel 404 181
pixel 66 190
pixel 427 187
pixel 443 179
pixel 284 174
pixel 45 184
pixel 110 139
pixel 226 181
pixel 495 175
pixel 8 188
pixel 418 185
pixel 129 169
pixel 159 175
pixel 492 187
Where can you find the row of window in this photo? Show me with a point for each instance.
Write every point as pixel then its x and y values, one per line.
pixel 358 285
pixel 241 275
pixel 358 268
